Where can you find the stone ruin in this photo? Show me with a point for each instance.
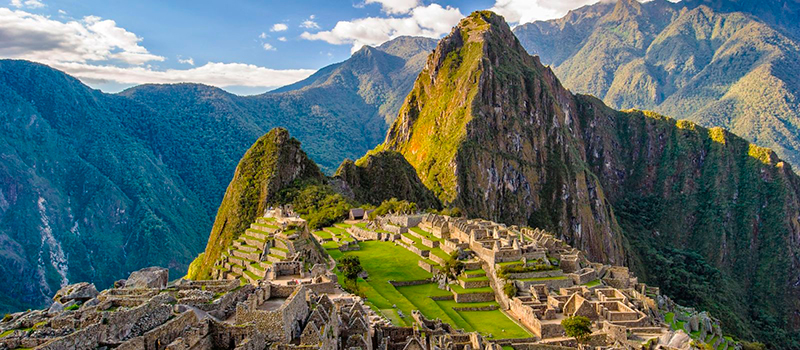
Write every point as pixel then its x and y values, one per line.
pixel 275 245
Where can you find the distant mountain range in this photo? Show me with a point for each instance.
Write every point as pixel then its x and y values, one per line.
pixel 97 185
pixel 697 60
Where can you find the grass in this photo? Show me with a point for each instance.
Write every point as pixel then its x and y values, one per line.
pixel 342 225
pixel 323 234
pixel 4 334
pixel 460 290
pixel 475 272
pixel 386 262
pixel 337 231
pixel 417 242
pixel 426 234
pixel 592 284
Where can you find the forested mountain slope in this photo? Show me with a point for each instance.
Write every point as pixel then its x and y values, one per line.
pixel 96 185
pixel 718 63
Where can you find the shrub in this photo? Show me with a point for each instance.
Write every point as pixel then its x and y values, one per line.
pixel 394 206
pixel 453 267
pixel 7 318
pixel 578 327
pixel 510 289
pixel 746 345
pixel 72 307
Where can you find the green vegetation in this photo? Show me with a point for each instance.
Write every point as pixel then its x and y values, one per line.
pixel 316 202
pixel 452 266
pixel 510 289
pixel 593 283
pixel 72 307
pixel 506 270
pixel 578 327
pixel 394 206
pixel 350 266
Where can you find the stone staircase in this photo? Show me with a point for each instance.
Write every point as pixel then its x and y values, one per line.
pixel 252 253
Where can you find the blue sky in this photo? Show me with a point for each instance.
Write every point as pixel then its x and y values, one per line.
pixel 243 46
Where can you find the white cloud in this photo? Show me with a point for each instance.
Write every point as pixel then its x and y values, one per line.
pixel 268 47
pixel 309 23
pixel 211 73
pixel 263 35
pixel 189 61
pixel 430 21
pixel 33 4
pixel 35 37
pixel 395 6
pixel 97 51
pixel 524 11
pixel 283 38
pixel 62 12
pixel 278 27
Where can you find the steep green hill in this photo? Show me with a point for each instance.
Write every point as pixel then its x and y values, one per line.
pixel 702 213
pixel 698 60
pixel 271 164
pixel 382 176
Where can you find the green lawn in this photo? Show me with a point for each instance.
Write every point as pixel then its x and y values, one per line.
pixel 386 262
pixel 426 234
pixel 493 322
pixel 337 231
pixel 592 284
pixel 323 234
pixel 458 289
pixel 342 225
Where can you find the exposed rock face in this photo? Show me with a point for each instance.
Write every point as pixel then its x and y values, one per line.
pixel 381 176
pixel 273 162
pixel 708 217
pixel 151 277
pixel 490 130
pixel 79 291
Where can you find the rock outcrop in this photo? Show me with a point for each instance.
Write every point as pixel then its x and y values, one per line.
pixel 150 277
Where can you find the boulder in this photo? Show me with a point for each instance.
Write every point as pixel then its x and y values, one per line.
pixel 80 292
pixel 151 277
pixel 55 308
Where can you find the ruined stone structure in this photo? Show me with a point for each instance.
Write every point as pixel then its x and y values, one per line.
pixel 270 248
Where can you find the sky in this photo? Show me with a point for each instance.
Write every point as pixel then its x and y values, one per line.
pixel 243 46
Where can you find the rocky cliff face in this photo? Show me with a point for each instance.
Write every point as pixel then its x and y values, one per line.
pixel 490 130
pixel 272 163
pixel 700 212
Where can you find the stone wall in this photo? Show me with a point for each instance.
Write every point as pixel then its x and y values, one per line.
pixel 474 297
pixel 426 265
pixel 410 283
pixel 160 336
pixel 552 284
pixel 535 274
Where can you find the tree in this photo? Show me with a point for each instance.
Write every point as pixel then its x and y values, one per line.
pixel 453 267
pixel 351 267
pixel 578 327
